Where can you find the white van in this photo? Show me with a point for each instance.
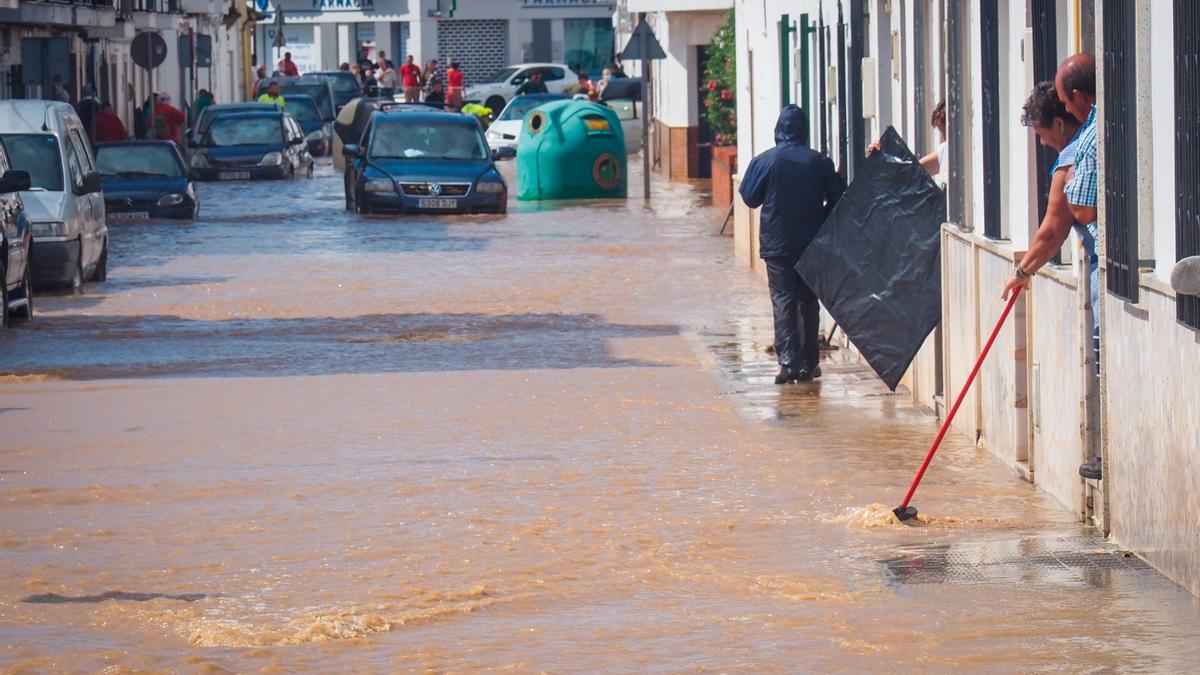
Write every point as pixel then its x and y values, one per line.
pixel 65 202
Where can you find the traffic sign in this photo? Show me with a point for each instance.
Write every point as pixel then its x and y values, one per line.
pixel 643 45
pixel 149 50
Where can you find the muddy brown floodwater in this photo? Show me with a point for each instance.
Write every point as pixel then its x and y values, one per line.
pixel 287 437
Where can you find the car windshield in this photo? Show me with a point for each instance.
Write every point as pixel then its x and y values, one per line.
pixel 343 83
pixel 319 92
pixel 624 108
pixel 521 105
pixel 133 161
pixel 503 75
pixel 38 154
pixel 230 131
pixel 427 139
pixel 210 114
pixel 303 108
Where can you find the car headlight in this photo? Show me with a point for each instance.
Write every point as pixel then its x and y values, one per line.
pixel 50 228
pixel 315 136
pixel 380 185
pixel 494 134
pixel 199 161
pixel 191 191
pixel 490 187
pixel 170 200
pixel 272 159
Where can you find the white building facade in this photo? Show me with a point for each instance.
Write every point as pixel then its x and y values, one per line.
pixel 1037 404
pixel 681 145
pixel 482 35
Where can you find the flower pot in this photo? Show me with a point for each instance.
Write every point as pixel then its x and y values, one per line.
pixel 724 165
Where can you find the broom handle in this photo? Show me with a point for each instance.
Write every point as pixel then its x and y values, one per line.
pixel 961 395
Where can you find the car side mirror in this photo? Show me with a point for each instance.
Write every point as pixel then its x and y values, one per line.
pixel 502 154
pixel 350 150
pixel 296 140
pixel 15 180
pixel 92 184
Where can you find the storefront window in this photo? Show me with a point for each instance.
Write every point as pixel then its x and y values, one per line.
pixel 590 44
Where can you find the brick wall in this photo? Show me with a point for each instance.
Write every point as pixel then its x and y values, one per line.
pixel 479 45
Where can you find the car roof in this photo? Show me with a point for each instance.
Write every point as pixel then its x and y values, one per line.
pixel 247 105
pixel 252 114
pixel 422 115
pixel 31 116
pixel 539 65
pixel 117 144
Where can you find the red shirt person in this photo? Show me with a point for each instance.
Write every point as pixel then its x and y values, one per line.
pixel 410 79
pixel 454 86
pixel 288 67
pixel 109 127
pixel 168 119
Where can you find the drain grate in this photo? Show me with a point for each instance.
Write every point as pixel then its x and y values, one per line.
pixel 1028 560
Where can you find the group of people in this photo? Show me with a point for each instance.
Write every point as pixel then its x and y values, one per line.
pixel 429 85
pixel 157 118
pixel 797 187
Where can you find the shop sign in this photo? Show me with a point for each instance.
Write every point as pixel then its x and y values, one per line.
pixel 344 5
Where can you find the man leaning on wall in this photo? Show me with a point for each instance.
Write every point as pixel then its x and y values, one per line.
pixel 1072 201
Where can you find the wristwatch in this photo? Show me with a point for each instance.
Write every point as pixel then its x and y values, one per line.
pixel 1020 273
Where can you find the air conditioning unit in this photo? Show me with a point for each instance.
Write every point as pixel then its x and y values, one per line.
pixel 797 66
pixel 870 88
pixel 831 84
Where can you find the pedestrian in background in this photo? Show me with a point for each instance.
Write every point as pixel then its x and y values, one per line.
pixel 582 85
pixel 288 67
pixel 370 84
pixel 431 76
pixel 454 86
pixel 605 78
pixel 203 99
pixel 796 187
pixel 437 96
pixel 383 61
pixel 386 80
pixel 261 74
pixel 533 85
pixel 345 67
pixel 109 127
pixel 364 60
pixel 168 120
pixel 357 72
pixel 934 162
pixel 410 79
pixel 272 95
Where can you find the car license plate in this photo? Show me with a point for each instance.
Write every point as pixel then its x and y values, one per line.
pixel 129 215
pixel 438 203
pixel 234 175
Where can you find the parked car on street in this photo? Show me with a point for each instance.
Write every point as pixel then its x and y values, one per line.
pixel 242 146
pixel 318 134
pixel 64 202
pixel 496 92
pixel 505 131
pixel 318 88
pixel 432 162
pixel 345 87
pixel 145 179
pixel 352 121
pixel 16 241
pixel 213 111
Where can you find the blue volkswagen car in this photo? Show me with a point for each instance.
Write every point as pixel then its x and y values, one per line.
pixel 431 162
pixel 241 146
pixel 145 179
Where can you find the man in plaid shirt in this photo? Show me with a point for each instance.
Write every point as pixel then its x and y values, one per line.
pixel 1076 86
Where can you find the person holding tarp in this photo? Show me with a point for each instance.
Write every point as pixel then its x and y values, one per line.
pixel 796 187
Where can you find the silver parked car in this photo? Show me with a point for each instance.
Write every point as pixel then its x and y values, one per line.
pixel 65 201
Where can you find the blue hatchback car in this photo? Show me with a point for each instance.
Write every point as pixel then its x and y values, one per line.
pixel 241 146
pixel 145 179
pixel 431 162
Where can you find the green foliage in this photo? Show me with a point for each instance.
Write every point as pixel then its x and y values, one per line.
pixel 720 84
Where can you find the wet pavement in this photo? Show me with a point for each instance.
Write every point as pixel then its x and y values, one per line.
pixel 289 437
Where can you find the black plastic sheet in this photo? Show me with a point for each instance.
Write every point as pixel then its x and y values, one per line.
pixel 876 262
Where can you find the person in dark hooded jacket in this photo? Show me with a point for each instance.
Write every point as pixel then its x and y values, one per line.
pixel 796 188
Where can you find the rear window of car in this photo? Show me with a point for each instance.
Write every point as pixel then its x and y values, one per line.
pixel 131 161
pixel 343 82
pixel 39 155
pixel 230 131
pixel 302 108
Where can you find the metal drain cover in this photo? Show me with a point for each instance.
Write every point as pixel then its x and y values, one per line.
pixel 1073 561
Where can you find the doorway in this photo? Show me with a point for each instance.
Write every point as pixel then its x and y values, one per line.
pixel 704 137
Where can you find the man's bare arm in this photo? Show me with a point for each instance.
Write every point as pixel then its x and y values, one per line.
pixel 1054 230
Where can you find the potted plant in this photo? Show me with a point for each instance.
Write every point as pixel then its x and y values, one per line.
pixel 720 77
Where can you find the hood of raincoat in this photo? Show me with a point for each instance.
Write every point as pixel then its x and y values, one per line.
pixel 792 127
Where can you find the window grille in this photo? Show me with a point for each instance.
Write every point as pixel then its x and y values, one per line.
pixel 1045 65
pixel 956 117
pixel 1120 149
pixel 989 27
pixel 1187 148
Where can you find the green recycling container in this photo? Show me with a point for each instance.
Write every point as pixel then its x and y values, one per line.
pixel 571 150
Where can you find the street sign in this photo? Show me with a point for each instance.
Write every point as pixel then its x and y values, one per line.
pixel 643 45
pixel 203 51
pixel 149 50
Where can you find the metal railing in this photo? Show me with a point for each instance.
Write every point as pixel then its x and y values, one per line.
pixel 1120 149
pixel 956 117
pixel 1187 148
pixel 1045 64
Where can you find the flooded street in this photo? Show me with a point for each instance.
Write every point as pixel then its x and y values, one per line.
pixel 286 436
